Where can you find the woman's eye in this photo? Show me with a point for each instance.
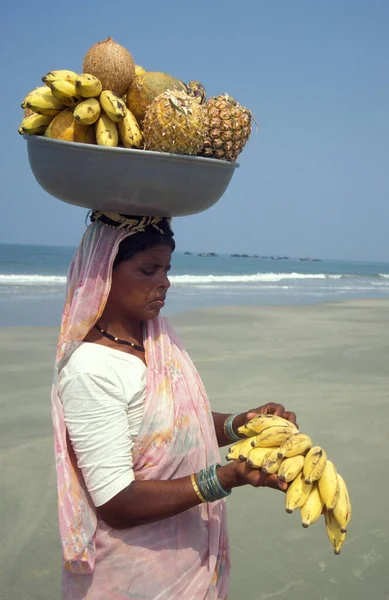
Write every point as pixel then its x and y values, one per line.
pixel 148 271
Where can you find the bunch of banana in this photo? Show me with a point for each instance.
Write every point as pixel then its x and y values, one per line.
pixel 261 422
pixel 83 93
pixel 34 124
pixel 106 131
pixel 290 467
pixel 60 75
pixel 274 445
pixel 40 107
pixel 65 92
pixel 42 102
pixel 240 450
pixel 87 112
pixel 88 86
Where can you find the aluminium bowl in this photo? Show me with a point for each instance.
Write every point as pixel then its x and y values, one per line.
pixel 127 181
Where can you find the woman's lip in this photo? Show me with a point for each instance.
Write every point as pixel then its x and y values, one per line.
pixel 158 302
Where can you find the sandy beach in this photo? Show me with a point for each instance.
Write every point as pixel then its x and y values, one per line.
pixel 327 362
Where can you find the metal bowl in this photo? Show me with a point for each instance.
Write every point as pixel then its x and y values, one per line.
pixel 127 181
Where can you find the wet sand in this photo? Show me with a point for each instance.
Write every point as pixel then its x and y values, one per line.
pixel 329 363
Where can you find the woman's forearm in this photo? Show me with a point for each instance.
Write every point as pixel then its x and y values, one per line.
pixel 219 420
pixel 147 501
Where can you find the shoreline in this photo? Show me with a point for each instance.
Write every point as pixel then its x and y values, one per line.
pixel 37 311
pixel 328 362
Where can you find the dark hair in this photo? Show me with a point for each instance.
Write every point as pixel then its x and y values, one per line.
pixel 138 242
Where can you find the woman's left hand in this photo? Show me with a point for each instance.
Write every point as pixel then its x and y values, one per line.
pixel 271 408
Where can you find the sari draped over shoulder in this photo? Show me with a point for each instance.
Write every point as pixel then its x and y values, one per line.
pixel 184 556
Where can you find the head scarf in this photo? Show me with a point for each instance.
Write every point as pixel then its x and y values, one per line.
pixel 90 273
pixel 134 224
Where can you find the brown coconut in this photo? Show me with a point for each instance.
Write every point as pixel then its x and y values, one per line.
pixel 112 64
pixel 65 127
pixel 146 87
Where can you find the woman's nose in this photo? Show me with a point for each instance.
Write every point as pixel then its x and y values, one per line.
pixel 164 281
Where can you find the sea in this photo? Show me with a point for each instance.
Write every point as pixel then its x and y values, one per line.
pixel 33 279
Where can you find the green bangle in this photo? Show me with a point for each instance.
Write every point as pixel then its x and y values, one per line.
pixel 228 430
pixel 209 485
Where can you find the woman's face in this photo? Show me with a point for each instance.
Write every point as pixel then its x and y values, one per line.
pixel 140 284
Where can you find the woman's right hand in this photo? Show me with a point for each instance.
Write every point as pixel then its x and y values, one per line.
pixel 238 473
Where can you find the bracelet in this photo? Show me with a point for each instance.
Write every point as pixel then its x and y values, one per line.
pixel 228 430
pixel 196 489
pixel 209 485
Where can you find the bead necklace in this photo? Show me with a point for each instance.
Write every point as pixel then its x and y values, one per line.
pixel 118 340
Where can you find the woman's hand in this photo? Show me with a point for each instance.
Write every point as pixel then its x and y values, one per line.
pixel 271 408
pixel 238 473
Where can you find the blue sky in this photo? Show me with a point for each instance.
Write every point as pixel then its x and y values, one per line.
pixel 313 181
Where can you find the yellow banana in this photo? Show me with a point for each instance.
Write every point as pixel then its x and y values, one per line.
pixel 65 92
pixel 243 429
pixel 261 422
pixel 87 112
pixel 130 132
pixel 297 493
pixel 59 75
pixel 290 467
pixel 312 508
pixel 239 450
pixel 298 443
pixel 45 104
pixel 335 535
pixel 88 86
pixel 257 455
pixel 314 464
pixel 329 485
pixel 106 131
pixel 113 105
pixel 342 509
pixel 271 462
pixel 34 124
pixel 272 436
pixel 36 92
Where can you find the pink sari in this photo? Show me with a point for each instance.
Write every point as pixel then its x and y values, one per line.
pixel 185 556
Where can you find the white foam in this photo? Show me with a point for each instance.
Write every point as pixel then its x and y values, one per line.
pixel 31 279
pixel 194 280
pixel 256 278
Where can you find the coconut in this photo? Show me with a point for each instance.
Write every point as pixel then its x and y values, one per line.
pixel 146 87
pixel 112 64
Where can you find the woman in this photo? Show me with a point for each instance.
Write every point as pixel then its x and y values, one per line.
pixel 140 486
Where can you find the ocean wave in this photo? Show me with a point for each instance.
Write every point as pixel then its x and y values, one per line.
pixel 31 279
pixel 240 278
pixel 208 280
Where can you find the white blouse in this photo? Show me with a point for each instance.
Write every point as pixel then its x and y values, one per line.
pixel 102 391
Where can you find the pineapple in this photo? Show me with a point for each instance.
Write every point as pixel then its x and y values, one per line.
pixel 229 128
pixel 174 122
pixel 197 90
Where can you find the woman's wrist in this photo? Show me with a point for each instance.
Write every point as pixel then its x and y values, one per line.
pixel 207 486
pixel 239 420
pixel 228 476
pixel 231 426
